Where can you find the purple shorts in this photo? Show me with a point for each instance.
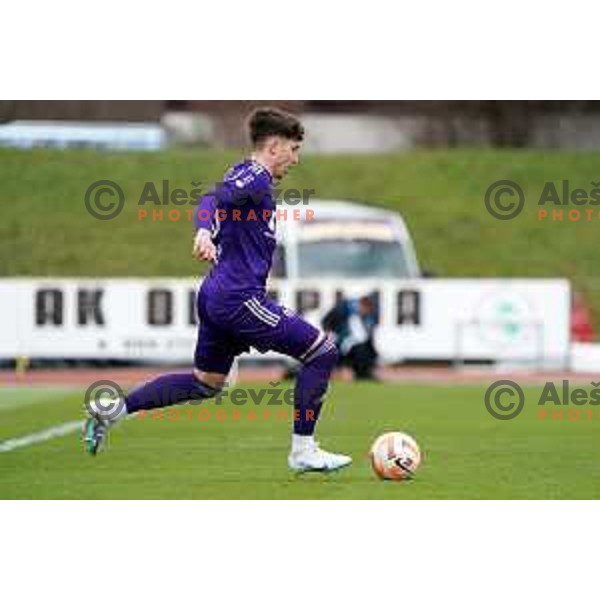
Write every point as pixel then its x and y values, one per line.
pixel 230 326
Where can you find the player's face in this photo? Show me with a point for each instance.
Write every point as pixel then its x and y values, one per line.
pixel 285 154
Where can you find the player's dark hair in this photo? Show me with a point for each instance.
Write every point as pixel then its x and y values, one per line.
pixel 267 122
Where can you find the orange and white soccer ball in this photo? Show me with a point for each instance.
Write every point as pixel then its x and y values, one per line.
pixel 395 455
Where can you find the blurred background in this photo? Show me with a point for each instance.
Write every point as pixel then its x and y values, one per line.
pixel 428 162
pixel 348 125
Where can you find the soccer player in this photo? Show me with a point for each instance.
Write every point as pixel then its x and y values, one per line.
pixel 236 231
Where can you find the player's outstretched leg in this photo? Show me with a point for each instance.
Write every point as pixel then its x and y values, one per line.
pixel 311 384
pixel 166 390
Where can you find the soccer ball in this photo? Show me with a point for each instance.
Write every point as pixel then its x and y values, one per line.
pixel 395 455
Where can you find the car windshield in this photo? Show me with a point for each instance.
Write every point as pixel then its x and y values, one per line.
pixel 352 258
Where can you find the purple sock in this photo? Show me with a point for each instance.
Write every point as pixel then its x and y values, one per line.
pixel 168 389
pixel 311 385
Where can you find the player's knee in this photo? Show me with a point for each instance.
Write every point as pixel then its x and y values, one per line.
pixel 327 355
pixel 332 355
pixel 209 384
pixel 318 369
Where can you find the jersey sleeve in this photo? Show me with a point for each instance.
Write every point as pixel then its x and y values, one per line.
pixel 205 211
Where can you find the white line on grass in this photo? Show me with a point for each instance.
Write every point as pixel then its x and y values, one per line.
pixel 41 436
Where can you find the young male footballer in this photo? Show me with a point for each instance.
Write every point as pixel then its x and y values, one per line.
pixel 236 231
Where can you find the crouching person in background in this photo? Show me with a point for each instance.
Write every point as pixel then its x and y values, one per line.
pixel 352 323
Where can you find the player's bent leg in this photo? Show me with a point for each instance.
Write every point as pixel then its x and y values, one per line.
pixel 312 382
pixel 169 389
pixel 311 385
pixel 165 390
pixel 262 323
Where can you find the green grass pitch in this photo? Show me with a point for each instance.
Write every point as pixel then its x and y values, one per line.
pixel 467 454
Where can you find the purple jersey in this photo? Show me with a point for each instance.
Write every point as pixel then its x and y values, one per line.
pixel 233 308
pixel 240 214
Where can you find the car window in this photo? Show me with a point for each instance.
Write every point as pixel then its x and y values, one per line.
pixel 352 258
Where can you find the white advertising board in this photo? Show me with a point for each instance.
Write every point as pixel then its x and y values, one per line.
pixel 154 319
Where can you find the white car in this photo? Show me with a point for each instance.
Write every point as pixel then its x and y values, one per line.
pixel 343 240
pixel 339 246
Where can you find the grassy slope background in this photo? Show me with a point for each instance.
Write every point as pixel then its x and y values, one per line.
pixel 45 229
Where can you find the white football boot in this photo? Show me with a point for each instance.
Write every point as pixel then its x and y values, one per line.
pixel 312 458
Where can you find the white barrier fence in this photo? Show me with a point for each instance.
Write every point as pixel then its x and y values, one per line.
pixel 154 319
